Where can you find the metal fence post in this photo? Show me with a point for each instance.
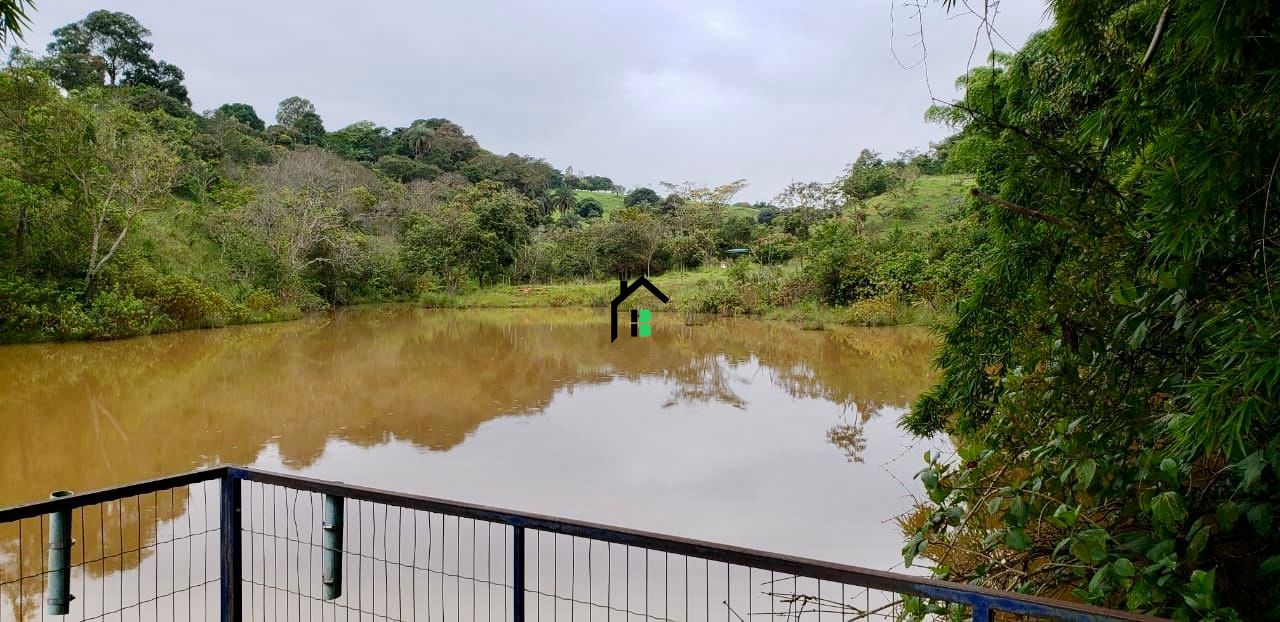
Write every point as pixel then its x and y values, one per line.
pixel 229 515
pixel 517 571
pixel 982 612
pixel 58 601
pixel 331 547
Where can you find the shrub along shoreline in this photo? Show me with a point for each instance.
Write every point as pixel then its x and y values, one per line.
pixel 741 289
pixel 186 220
pixel 159 305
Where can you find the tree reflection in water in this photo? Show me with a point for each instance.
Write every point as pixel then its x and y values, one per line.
pixel 89 415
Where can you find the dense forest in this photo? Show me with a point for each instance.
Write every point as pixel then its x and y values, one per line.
pixel 1112 379
pixel 125 212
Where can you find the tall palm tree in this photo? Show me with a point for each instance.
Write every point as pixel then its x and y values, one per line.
pixel 564 201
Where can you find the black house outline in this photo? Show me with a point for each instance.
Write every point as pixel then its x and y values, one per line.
pixel 625 291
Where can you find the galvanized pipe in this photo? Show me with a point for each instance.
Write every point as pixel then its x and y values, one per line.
pixel 331 547
pixel 58 590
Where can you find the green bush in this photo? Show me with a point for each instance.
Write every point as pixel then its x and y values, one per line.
pixel 793 288
pixel 117 313
pixel 439 300
pixel 39 312
pixel 260 301
pixel 190 303
pixel 775 248
pixel 707 296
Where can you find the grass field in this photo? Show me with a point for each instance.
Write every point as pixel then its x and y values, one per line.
pixel 609 201
pixel 582 294
pixel 683 287
pixel 923 206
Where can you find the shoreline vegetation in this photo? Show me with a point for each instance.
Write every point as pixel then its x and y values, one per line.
pixel 1100 230
pixel 124 212
pixel 695 296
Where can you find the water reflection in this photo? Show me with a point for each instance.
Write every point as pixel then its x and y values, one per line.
pixel 738 430
pixel 87 415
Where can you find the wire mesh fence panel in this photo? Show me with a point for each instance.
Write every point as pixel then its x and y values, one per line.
pixel 405 564
pixel 583 580
pixel 151 556
pixel 396 563
pixel 235 544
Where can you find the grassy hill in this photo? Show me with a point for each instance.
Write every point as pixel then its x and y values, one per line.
pixel 175 241
pixel 609 201
pixel 920 207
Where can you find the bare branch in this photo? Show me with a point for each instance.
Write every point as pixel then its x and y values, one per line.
pixel 1156 38
pixel 1024 211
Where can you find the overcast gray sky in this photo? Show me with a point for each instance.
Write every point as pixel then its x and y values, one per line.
pixel 640 90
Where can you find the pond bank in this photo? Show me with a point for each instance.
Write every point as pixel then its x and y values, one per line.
pixel 694 295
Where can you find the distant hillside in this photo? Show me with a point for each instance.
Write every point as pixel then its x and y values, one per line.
pixel 612 202
pixel 922 206
pixel 609 201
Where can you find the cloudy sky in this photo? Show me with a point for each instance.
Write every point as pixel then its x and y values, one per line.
pixel 640 90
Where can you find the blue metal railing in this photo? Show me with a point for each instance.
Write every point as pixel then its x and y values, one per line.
pixel 259 514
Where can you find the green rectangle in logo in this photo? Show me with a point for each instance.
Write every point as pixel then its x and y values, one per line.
pixel 644 315
pixel 644 330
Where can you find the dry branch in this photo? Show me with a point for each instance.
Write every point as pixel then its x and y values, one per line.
pixel 1024 211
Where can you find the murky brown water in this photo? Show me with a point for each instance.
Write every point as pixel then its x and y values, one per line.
pixel 739 431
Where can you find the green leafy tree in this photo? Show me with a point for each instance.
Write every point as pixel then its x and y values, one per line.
pixel 639 196
pixel 110 46
pixel 400 168
pixel 33 118
pixel 1111 382
pixel 291 109
pixel 808 202
pixel 590 208
pixel 149 99
pixel 736 230
pixel 112 167
pixel 103 44
pixel 243 113
pixel 309 128
pixel 766 214
pixel 593 182
pixel 161 76
pixel 476 233
pixel 441 242
pixel 441 143
pixel 532 177
pixel 626 246
pixel 867 176
pixel 362 140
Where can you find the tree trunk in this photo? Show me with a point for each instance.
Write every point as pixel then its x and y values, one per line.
pixel 20 237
